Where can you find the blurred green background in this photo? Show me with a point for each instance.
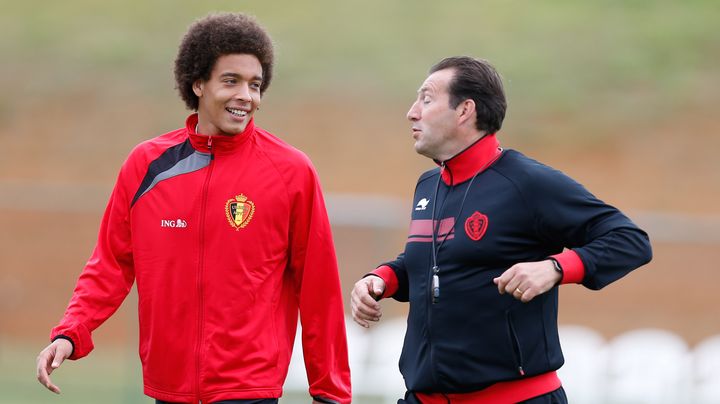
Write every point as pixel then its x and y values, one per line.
pixel 621 95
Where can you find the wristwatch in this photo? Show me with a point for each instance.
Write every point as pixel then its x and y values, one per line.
pixel 558 267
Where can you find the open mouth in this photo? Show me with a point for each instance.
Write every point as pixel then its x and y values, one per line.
pixel 237 112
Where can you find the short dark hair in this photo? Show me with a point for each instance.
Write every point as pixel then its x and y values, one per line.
pixel 476 79
pixel 214 36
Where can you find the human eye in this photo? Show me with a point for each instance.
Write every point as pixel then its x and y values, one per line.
pixel 255 85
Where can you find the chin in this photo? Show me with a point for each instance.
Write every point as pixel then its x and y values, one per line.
pixel 234 130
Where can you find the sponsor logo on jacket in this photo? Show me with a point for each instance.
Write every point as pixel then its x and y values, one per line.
pixel 173 223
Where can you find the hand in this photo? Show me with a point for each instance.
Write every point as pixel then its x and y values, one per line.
pixel 363 300
pixel 527 280
pixel 50 359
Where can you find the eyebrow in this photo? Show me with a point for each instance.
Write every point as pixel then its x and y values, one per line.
pixel 237 76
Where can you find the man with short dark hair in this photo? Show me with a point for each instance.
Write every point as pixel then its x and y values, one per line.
pixel 224 228
pixel 493 234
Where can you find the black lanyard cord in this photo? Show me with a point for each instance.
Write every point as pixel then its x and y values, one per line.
pixel 436 227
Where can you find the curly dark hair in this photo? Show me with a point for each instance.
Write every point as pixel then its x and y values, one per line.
pixel 217 35
pixel 476 79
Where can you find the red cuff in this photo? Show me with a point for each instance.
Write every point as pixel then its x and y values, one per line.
pixel 80 337
pixel 572 266
pixel 388 275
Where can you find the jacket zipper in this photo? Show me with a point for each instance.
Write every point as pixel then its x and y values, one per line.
pixel 516 345
pixel 201 263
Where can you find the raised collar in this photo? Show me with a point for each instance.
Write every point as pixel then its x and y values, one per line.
pixel 216 143
pixel 473 159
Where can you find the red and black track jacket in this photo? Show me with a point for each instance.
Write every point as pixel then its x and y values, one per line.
pixel 228 239
pixel 472 340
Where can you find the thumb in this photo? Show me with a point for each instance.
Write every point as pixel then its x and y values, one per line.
pixel 56 362
pixel 378 287
pixel 59 358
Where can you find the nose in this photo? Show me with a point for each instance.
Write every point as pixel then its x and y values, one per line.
pixel 414 113
pixel 243 93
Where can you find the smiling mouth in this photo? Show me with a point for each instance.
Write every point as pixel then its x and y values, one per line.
pixel 237 112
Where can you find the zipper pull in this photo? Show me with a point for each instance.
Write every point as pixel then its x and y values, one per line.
pixel 209 145
pixel 435 284
pixel 522 372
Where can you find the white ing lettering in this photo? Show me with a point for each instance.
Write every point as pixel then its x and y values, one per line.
pixel 177 223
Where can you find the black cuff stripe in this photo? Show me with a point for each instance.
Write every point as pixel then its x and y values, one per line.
pixel 324 400
pixel 66 338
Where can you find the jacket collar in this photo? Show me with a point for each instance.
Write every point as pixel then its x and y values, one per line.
pixel 473 159
pixel 217 143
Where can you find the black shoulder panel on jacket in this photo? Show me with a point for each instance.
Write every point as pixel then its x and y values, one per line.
pixel 174 161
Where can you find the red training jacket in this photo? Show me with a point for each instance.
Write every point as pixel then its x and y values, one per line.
pixel 228 239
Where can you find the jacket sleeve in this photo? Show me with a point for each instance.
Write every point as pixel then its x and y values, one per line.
pixel 314 265
pixel 104 282
pixel 608 244
pixel 396 279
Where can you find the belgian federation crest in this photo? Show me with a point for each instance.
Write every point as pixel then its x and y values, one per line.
pixel 476 225
pixel 239 211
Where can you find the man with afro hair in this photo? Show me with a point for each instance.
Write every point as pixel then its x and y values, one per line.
pixel 224 228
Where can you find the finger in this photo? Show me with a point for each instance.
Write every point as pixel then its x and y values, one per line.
pixel 527 296
pixel 500 284
pixel 363 302
pixel 360 314
pixel 518 293
pixel 362 318
pixel 367 312
pixel 512 285
pixel 360 321
pixel 362 296
pixel 373 289
pixel 368 300
pixel 43 376
pixel 377 287
pixel 60 357
pixel 502 280
pixel 50 386
pixel 41 364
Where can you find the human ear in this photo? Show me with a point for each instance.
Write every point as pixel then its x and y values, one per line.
pixel 466 111
pixel 198 87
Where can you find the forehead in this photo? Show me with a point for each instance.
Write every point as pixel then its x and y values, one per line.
pixel 438 81
pixel 238 63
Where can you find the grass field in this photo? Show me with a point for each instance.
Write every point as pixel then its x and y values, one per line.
pixel 551 53
pixel 109 376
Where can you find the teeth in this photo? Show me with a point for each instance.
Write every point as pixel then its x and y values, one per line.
pixel 237 112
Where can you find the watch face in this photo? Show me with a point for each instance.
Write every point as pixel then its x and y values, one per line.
pixel 556 264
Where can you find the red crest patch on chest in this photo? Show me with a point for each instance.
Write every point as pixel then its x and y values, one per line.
pixel 476 225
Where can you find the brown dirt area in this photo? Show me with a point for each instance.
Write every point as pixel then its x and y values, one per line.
pixel 667 165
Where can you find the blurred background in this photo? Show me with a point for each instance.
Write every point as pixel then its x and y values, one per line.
pixel 623 96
